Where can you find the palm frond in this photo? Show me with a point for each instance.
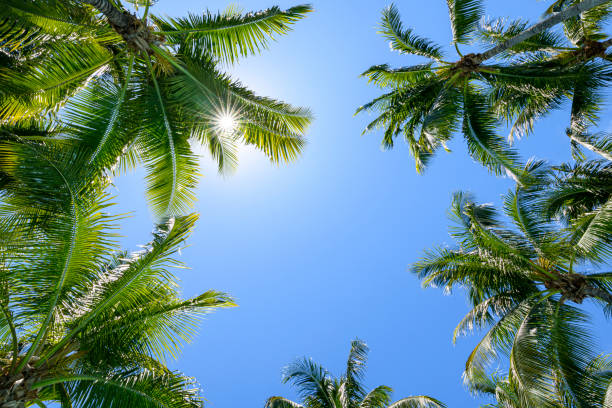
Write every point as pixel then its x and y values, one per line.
pixel 384 76
pixel 274 127
pixel 133 303
pixel 593 232
pixel 311 380
pixel 588 25
pixel 280 402
pixel 144 388
pixel 55 200
pixel 586 102
pixel 44 85
pixel 579 189
pixel 496 31
pixel 101 119
pixel 420 401
pixel 464 16
pixel 483 144
pixel 355 367
pixel 379 397
pixel 404 40
pixel 26 24
pixel 486 313
pixel 172 168
pixel 230 35
pixel 598 143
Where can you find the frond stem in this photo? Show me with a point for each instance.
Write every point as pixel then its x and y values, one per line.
pixel 457 49
pixel 115 114
pixel 168 130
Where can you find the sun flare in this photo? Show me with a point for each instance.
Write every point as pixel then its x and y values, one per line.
pixel 226 123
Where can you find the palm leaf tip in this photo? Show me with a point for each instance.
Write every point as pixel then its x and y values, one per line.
pixel 404 40
pixel 214 299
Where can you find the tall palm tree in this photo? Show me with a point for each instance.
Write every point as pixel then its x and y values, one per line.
pixel 520 281
pixel 319 389
pixel 81 323
pixel 145 87
pixel 532 71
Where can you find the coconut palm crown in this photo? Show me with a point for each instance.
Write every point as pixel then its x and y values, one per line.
pixel 82 323
pixel 138 87
pixel 526 72
pixel 525 284
pixel 319 389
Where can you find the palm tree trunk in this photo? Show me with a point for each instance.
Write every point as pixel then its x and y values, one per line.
pixel 540 27
pixel 114 16
pixel 16 391
pixel 134 31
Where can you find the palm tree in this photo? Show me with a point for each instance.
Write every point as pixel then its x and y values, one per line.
pixel 519 282
pixel 82 324
pixel 144 88
pixel 534 71
pixel 319 389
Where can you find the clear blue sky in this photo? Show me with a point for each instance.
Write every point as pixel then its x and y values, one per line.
pixel 316 252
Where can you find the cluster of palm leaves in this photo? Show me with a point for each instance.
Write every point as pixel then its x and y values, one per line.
pixel 525 276
pixel 319 389
pixel 88 90
pixel 523 76
pixel 91 88
pixel 147 92
pixel 83 323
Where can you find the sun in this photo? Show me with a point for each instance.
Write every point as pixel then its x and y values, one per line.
pixel 226 123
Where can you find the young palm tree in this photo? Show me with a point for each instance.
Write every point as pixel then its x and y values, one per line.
pixel 319 389
pixel 82 324
pixel 534 71
pixel 145 88
pixel 519 282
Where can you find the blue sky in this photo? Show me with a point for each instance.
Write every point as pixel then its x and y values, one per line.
pixel 316 252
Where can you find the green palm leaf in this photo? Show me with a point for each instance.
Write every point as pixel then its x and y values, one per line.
pixel 483 144
pixel 379 397
pixel 24 24
pixel 404 40
pixel 273 127
pixel 44 86
pixel 496 31
pixel 230 35
pixel 142 389
pixel 280 402
pixel 464 16
pixel 172 168
pixel 420 401
pixel 384 76
pixel 319 389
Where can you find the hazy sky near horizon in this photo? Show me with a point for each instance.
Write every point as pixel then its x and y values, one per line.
pixel 317 252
